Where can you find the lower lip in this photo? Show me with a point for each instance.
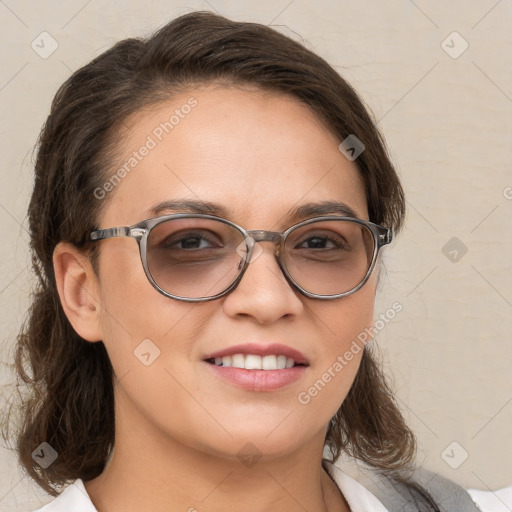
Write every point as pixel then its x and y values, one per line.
pixel 258 380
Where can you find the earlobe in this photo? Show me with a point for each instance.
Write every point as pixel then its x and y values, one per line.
pixel 77 285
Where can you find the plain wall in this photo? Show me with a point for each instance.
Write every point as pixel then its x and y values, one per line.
pixel 447 120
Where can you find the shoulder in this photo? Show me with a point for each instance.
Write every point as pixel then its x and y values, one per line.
pixel 399 497
pixel 73 498
pixel 448 495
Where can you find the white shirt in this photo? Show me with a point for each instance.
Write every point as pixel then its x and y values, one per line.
pixel 75 498
pixel 493 501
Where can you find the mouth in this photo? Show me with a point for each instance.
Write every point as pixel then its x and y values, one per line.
pixel 255 356
pixel 255 362
pixel 257 367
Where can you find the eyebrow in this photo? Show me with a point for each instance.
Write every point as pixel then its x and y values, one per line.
pixel 322 208
pixel 294 215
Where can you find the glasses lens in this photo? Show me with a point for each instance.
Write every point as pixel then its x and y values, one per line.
pixel 194 257
pixel 329 257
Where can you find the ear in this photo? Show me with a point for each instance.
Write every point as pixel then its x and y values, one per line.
pixel 78 289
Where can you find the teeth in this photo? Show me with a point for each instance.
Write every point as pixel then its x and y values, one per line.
pixel 253 362
pixel 269 363
pixel 281 361
pixel 238 361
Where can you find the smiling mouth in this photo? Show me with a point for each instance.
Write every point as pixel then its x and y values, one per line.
pixel 255 362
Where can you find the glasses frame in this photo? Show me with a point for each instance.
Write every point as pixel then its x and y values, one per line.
pixel 141 231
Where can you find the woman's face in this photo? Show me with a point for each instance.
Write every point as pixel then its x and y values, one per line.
pixel 259 156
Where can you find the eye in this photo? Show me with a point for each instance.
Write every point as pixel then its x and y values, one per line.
pixel 192 240
pixel 323 241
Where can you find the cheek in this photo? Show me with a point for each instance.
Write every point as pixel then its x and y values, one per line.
pixel 135 313
pixel 346 321
pixel 150 342
pixel 350 316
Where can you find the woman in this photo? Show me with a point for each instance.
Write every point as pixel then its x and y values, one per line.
pixel 210 361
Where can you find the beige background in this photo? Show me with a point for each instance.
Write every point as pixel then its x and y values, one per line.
pixel 448 124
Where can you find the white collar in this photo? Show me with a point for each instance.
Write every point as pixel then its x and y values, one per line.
pixel 73 498
pixel 359 498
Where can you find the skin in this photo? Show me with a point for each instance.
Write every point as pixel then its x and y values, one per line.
pixel 178 427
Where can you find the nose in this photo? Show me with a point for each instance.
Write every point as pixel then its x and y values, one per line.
pixel 263 292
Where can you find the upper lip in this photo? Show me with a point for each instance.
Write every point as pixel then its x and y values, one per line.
pixel 261 350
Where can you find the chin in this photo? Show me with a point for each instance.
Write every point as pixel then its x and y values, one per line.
pixel 255 442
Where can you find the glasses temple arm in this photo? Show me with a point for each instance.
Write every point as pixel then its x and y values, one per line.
pixel 101 234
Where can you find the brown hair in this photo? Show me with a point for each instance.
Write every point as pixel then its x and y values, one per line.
pixel 70 403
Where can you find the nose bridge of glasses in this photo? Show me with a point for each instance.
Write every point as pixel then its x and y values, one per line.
pixel 259 235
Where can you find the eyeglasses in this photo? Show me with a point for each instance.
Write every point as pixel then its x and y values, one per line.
pixel 197 257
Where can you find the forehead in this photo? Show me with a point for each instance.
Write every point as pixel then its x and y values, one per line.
pixel 259 154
